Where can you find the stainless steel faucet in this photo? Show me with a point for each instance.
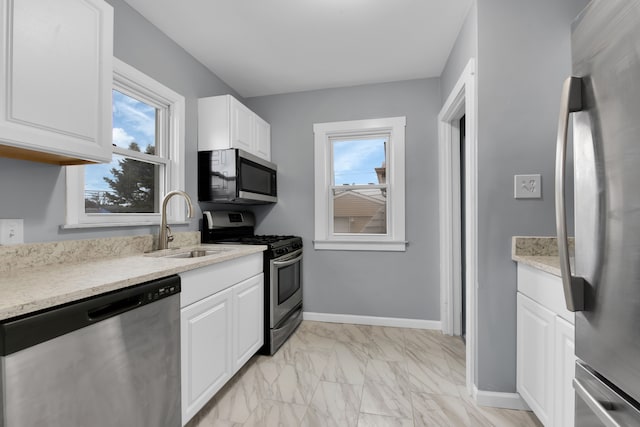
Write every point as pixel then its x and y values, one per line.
pixel 165 236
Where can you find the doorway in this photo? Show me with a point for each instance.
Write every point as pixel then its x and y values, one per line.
pixel 457 156
pixel 463 226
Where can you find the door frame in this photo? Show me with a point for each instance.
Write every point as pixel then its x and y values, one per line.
pixel 461 101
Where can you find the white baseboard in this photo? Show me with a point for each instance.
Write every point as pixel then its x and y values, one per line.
pixel 499 400
pixel 373 320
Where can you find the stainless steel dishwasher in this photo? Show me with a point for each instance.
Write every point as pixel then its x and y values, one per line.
pixel 110 360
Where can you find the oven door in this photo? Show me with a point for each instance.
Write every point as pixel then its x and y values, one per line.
pixel 286 285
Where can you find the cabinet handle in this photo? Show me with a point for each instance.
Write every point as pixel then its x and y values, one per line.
pixel 570 101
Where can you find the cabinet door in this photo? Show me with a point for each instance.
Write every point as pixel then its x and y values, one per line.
pixel 55 80
pixel 206 328
pixel 535 340
pixel 242 126
pixel 565 364
pixel 248 321
pixel 263 139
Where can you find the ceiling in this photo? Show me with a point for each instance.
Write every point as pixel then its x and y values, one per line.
pixel 264 47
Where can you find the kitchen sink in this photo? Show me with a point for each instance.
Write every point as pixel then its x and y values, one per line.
pixel 194 253
pixel 188 253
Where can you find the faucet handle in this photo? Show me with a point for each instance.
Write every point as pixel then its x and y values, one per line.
pixel 169 235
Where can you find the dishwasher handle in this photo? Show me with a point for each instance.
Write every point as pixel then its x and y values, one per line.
pixel 115 308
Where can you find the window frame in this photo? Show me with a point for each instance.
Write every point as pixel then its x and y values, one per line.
pixel 324 135
pixel 171 154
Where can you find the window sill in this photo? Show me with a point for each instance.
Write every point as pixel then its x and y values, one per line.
pixel 334 245
pixel 119 224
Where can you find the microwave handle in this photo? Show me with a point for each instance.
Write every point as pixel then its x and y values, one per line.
pixel 207 214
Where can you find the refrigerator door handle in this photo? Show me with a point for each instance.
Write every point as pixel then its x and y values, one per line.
pixel 570 101
pixel 596 407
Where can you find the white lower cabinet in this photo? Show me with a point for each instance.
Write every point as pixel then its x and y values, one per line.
pixel 248 335
pixel 545 347
pixel 565 371
pixel 535 357
pixel 206 350
pixel 221 320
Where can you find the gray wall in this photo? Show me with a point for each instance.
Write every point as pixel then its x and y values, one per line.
pixel 393 284
pixel 465 47
pixel 523 58
pixel 36 192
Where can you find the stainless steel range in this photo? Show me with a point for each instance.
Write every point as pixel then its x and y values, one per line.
pixel 282 271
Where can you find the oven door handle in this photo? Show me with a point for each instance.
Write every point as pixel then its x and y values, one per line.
pixel 287 262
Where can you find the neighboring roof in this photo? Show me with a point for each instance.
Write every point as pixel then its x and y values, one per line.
pixel 351 204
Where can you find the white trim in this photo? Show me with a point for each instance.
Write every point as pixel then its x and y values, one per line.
pixel 461 100
pixel 120 224
pixel 337 245
pixel 125 76
pixel 394 240
pixel 500 400
pixel 396 322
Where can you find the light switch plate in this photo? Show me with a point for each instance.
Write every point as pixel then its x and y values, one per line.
pixel 11 231
pixel 527 186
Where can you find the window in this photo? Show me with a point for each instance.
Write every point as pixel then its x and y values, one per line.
pixel 359 185
pixel 148 158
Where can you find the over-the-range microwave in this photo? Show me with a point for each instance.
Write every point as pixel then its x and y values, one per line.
pixel 235 176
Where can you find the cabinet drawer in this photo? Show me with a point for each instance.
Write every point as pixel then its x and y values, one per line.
pixel 544 288
pixel 202 282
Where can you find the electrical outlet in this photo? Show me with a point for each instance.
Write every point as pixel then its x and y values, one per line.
pixel 527 186
pixel 11 231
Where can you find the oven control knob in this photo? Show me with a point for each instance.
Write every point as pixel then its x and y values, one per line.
pixel 280 251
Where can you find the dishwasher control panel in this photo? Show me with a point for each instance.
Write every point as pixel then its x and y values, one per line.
pixel 162 292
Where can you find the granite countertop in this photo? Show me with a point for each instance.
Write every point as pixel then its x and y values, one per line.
pixel 32 288
pixel 538 252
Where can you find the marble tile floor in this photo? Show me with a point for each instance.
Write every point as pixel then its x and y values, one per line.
pixel 343 375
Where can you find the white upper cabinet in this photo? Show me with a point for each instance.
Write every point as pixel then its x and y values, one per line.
pixel 242 126
pixel 55 80
pixel 263 139
pixel 224 122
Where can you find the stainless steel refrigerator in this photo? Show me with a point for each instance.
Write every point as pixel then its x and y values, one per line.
pixel 603 99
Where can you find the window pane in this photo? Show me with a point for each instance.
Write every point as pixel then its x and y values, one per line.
pixel 134 124
pixel 123 186
pixel 362 211
pixel 359 161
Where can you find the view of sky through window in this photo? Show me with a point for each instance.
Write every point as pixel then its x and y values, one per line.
pixel 133 121
pixel 126 185
pixel 355 160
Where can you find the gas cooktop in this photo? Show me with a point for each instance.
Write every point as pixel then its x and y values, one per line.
pixel 238 227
